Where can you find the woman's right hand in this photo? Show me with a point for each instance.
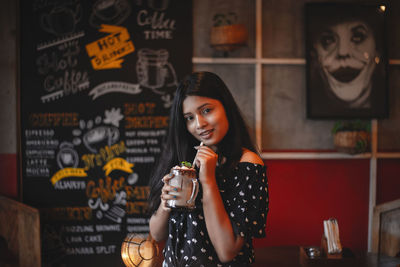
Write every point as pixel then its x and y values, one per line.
pixel 165 191
pixel 159 220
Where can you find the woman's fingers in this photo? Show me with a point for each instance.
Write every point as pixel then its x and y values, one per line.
pixel 166 189
pixel 204 149
pixel 165 196
pixel 196 163
pixel 168 196
pixel 167 177
pixel 205 154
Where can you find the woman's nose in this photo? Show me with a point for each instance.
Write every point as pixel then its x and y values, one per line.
pixel 200 122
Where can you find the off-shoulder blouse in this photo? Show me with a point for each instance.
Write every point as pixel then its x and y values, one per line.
pixel 245 197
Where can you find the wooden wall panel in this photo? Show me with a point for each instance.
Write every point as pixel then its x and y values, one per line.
pixel 389 242
pixel 19 225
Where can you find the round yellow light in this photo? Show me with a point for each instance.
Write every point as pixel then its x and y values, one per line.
pixel 139 250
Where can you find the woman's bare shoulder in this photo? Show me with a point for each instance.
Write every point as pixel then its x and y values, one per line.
pixel 250 156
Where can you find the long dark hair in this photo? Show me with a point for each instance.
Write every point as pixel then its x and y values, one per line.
pixel 179 143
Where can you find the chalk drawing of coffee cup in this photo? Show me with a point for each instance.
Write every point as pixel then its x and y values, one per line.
pixel 61 20
pixel 112 12
pixel 100 137
pixel 67 157
pixel 153 69
pixel 158 4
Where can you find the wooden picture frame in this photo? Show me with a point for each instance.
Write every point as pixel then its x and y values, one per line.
pixel 346 62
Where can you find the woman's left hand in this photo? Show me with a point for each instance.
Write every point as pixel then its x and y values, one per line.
pixel 206 160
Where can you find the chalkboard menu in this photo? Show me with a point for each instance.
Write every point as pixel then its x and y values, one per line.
pixel 97 82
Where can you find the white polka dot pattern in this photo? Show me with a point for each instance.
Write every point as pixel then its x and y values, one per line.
pixel 245 197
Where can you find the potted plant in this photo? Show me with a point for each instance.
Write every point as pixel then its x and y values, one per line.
pixel 227 35
pixel 352 136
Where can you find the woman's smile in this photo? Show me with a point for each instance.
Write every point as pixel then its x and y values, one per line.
pixel 206 134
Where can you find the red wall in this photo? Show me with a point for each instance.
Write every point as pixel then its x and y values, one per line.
pixel 388 180
pixel 303 193
pixel 8 175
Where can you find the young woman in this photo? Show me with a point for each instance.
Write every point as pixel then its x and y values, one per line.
pixel 232 207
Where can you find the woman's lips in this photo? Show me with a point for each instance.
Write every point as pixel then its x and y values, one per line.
pixel 345 75
pixel 206 134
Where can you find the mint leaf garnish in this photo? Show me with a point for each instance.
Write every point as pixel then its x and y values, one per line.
pixel 186 164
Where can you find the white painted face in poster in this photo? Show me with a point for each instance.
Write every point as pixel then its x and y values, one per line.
pixel 348 56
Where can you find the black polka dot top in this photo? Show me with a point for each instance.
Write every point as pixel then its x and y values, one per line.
pixel 245 197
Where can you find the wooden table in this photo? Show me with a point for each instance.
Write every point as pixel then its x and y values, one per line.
pixel 277 256
pixel 289 256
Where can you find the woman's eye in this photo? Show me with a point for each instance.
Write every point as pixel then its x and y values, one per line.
pixel 206 110
pixel 189 118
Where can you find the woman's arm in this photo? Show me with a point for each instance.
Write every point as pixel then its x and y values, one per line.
pixel 159 220
pixel 226 243
pixel 159 224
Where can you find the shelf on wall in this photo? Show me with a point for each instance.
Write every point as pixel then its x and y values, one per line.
pixel 328 155
pixel 224 60
pixel 394 61
pixel 313 155
pixel 265 61
pixel 388 155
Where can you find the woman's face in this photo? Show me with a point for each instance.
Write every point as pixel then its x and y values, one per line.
pixel 347 54
pixel 205 119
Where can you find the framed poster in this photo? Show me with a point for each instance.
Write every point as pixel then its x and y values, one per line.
pixel 346 62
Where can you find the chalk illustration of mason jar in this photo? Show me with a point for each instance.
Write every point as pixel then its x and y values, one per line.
pixel 153 69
